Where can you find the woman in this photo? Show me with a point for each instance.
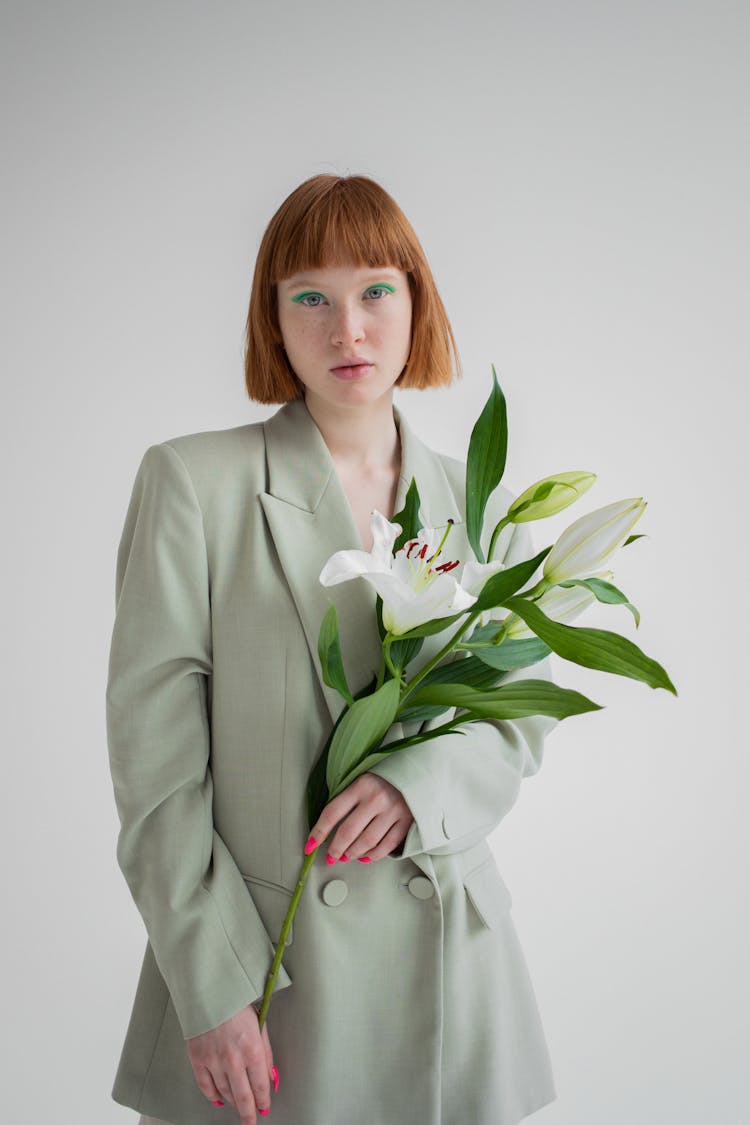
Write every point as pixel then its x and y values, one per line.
pixel 403 995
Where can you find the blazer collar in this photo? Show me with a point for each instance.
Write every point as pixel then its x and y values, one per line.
pixel 300 467
pixel 309 517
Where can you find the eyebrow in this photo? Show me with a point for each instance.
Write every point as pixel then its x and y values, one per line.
pixel 385 272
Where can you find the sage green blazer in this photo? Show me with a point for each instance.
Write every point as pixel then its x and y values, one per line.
pixel 403 994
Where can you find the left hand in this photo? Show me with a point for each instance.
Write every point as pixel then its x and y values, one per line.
pixel 374 818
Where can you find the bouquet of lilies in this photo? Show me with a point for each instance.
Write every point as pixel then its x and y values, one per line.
pixel 498 625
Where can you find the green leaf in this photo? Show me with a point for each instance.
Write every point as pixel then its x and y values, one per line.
pixel 510 653
pixel 420 714
pixel 408 518
pixel 509 701
pixel 392 748
pixel 463 670
pixel 402 652
pixel 317 788
pixel 506 582
pixel 431 627
pixel 592 648
pixel 361 729
pixel 329 654
pixel 485 463
pixel 604 592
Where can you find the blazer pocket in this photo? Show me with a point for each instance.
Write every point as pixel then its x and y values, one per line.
pixel 272 902
pixel 488 893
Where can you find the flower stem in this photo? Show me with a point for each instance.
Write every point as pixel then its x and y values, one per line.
pixel 436 659
pixel 503 522
pixel 274 970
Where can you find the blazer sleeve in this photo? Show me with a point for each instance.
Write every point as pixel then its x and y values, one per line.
pixel 206 934
pixel 460 786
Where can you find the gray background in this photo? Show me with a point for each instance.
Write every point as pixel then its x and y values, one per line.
pixel 578 175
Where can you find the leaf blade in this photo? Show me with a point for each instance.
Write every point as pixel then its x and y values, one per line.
pixel 485 462
pixel 515 700
pixel 592 648
pixel 362 727
pixel 329 654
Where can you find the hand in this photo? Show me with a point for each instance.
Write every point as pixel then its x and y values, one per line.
pixel 374 817
pixel 232 1063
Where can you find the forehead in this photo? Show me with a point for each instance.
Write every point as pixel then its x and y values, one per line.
pixel 342 275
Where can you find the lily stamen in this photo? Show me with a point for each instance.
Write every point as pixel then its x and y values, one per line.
pixel 445 567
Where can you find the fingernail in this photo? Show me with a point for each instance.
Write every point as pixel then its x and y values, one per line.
pixel 311 845
pixel 330 858
pixel 218 1103
pixel 344 858
pixel 263 1112
pixel 275 1074
pixel 364 859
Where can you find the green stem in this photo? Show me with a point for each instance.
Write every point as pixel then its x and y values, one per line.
pixel 274 970
pixel 535 591
pixel 381 673
pixel 503 523
pixel 436 659
pixel 388 641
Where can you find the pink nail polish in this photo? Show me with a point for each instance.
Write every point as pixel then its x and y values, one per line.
pixel 330 859
pixel 364 859
pixel 344 858
pixel 275 1074
pixel 263 1112
pixel 311 845
pixel 218 1103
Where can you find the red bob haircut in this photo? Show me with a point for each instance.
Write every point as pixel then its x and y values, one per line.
pixel 338 220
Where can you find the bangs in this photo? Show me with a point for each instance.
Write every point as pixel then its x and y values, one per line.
pixel 347 224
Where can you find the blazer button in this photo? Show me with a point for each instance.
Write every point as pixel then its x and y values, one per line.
pixel 421 887
pixel 334 892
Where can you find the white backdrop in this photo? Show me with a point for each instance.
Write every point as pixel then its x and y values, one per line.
pixel 578 175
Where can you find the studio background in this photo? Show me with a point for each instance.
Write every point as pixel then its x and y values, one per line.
pixel 578 175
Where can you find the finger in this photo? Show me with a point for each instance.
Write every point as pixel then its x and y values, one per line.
pixel 260 1080
pixel 224 1086
pixel 395 836
pixel 362 829
pixel 273 1073
pixel 206 1084
pixel 370 841
pixel 334 811
pixel 242 1096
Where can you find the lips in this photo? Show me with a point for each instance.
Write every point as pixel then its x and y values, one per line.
pixel 351 370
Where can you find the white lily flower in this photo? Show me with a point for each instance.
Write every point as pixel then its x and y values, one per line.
pixel 413 590
pixel 591 539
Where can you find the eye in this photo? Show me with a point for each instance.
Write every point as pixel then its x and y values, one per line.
pixel 379 290
pixel 309 300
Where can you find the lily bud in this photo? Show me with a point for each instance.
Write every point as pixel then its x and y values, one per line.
pixel 583 547
pixel 562 603
pixel 549 495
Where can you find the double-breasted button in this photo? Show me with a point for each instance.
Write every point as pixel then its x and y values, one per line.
pixel 421 887
pixel 334 892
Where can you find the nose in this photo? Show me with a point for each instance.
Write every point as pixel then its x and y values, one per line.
pixel 348 324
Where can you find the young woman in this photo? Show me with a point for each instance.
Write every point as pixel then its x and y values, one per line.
pixel 403 995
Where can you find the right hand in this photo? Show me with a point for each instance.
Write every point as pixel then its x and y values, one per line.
pixel 232 1063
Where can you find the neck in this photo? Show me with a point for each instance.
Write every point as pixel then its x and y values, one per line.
pixel 360 438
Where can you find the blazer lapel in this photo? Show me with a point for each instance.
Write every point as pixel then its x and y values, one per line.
pixel 309 518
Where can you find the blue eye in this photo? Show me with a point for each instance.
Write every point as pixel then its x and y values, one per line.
pixel 303 299
pixel 381 289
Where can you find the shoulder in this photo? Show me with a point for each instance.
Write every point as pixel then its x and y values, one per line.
pixel 208 450
pixel 207 463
